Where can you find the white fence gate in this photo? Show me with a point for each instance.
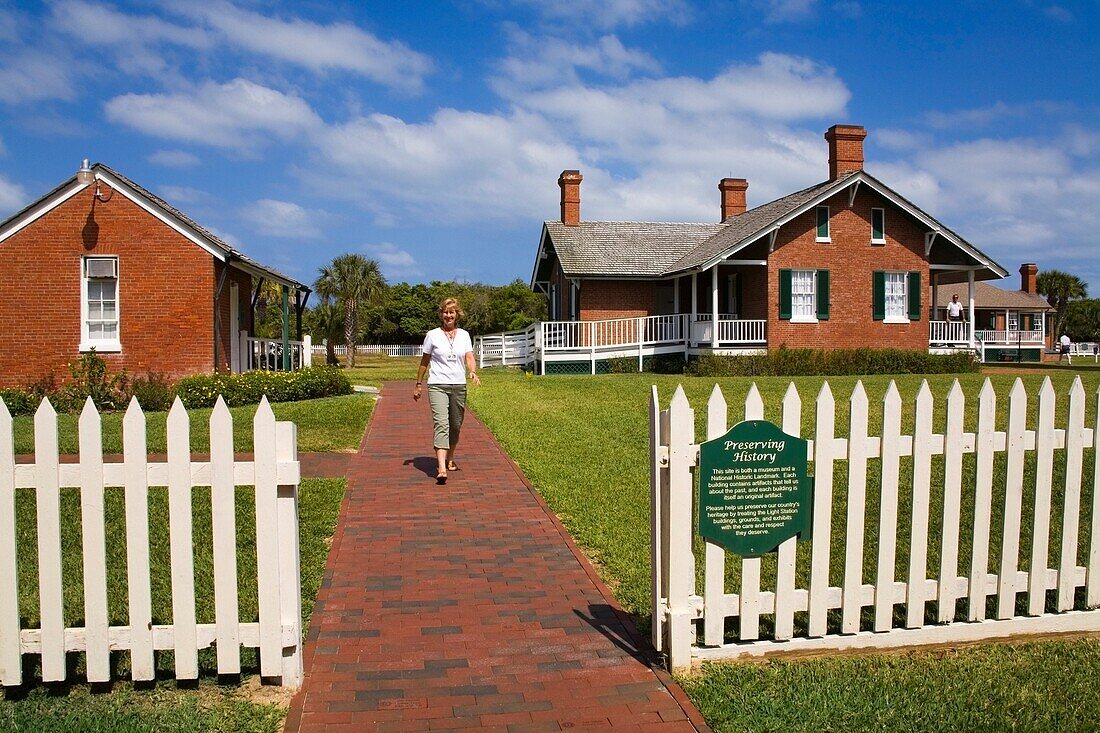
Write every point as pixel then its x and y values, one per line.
pixel 275 475
pixel 851 604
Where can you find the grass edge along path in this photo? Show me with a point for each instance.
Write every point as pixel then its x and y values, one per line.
pixel 583 443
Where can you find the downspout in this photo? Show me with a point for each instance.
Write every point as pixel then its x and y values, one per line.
pixel 217 310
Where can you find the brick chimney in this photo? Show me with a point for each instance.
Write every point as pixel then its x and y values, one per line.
pixel 1029 274
pixel 733 196
pixel 845 149
pixel 570 183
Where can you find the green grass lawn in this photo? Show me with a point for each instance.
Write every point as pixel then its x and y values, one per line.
pixel 373 370
pixel 329 424
pixel 583 442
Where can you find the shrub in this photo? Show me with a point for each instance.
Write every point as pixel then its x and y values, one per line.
pixel 784 362
pixel 20 401
pixel 153 392
pixel 91 378
pixel 250 387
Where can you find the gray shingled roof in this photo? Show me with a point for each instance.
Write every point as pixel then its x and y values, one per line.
pixel 749 225
pixel 625 248
pixel 991 296
pixel 640 249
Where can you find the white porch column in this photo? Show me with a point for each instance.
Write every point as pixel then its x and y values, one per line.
pixel 694 307
pixel 970 305
pixel 714 307
pixel 307 350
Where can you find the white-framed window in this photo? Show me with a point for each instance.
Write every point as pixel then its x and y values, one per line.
pixel 823 224
pixel 804 296
pixel 878 226
pixel 99 325
pixel 897 297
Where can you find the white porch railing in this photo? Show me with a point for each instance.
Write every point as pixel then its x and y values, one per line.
pixel 565 341
pixel 267 354
pixel 1009 338
pixel 948 332
pixel 953 530
pixel 274 473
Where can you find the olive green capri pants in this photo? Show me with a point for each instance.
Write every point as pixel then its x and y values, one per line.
pixel 448 403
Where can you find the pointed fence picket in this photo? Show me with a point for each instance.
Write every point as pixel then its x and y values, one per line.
pixel 274 473
pixel 943 516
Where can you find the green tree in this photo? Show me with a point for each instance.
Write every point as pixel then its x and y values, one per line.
pixel 353 282
pixel 1060 289
pixel 327 321
pixel 1083 320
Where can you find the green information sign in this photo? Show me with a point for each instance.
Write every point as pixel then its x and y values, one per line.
pixel 754 491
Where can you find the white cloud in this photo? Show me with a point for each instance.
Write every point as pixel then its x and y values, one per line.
pixel 785 11
pixel 395 262
pixel 612 13
pixel 649 149
pixel 174 159
pixel 284 219
pixel 339 46
pixel 12 197
pixel 28 75
pixel 238 115
pixel 537 62
pixel 183 195
pixel 1059 13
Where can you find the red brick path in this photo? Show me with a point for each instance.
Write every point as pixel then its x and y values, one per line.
pixel 466 606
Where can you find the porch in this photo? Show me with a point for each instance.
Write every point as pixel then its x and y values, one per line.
pixel 584 347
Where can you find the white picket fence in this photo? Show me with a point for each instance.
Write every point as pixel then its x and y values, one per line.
pixel 375 349
pixel 274 473
pixel 860 611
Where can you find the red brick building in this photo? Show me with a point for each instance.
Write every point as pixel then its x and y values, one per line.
pixel 103 263
pixel 845 263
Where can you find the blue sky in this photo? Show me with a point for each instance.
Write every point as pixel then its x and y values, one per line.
pixel 430 135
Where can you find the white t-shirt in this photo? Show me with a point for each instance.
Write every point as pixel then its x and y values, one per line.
pixel 448 364
pixel 1064 341
pixel 954 309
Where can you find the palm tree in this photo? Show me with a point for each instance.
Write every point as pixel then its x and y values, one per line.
pixel 1059 288
pixel 328 319
pixel 352 280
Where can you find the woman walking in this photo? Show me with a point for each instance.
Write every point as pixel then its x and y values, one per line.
pixel 448 354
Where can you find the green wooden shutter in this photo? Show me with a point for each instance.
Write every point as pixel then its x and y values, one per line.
pixel 914 296
pixel 822 222
pixel 822 295
pixel 878 295
pixel 878 225
pixel 785 295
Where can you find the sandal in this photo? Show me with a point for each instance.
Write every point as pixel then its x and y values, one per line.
pixel 451 465
pixel 441 478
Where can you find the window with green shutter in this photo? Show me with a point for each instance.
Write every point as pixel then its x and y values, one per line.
pixel 823 223
pixel 878 226
pixel 914 296
pixel 878 295
pixel 785 295
pixel 823 295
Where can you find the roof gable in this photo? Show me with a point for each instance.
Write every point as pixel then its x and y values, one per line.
pixel 156 207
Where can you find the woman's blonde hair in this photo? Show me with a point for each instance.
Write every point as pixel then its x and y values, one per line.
pixel 451 303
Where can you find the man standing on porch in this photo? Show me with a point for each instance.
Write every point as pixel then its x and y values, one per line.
pixel 955 309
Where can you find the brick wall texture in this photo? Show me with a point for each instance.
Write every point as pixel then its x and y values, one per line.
pixel 166 293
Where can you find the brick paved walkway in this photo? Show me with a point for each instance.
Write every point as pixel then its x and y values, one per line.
pixel 466 606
